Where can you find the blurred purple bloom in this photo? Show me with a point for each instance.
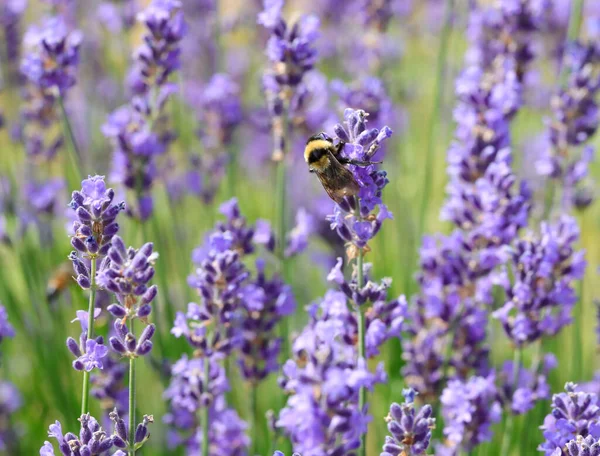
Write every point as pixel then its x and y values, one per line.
pixel 187 394
pixel 11 13
pixel 325 361
pixel 541 296
pixel 6 329
pixel 469 409
pixel 10 402
pixel 530 386
pixel 297 239
pixel 573 414
pixel 51 55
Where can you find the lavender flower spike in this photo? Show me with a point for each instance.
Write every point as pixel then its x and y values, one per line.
pixel 573 414
pixel 96 219
pixel 92 439
pixel 582 446
pixel 411 431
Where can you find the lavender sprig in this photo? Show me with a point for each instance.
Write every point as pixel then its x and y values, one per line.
pixel 411 431
pixel 127 273
pixel 93 229
pixel 139 130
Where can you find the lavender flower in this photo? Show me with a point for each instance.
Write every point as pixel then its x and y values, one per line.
pixel 291 52
pixel 574 122
pixel 127 273
pixel 265 303
pixel 354 221
pixel 139 130
pixel 92 440
pixel 6 329
pixel 51 55
pixel 210 326
pixel 10 17
pixel 95 225
pixel 541 297
pixel 411 431
pixel 588 446
pixel 188 393
pixel 469 410
pixel 529 386
pixel 10 402
pixel 297 239
pixel 159 55
pixel 90 357
pixel 573 414
pixel 108 386
pixel 325 361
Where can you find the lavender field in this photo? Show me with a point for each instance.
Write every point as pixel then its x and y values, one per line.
pixel 309 228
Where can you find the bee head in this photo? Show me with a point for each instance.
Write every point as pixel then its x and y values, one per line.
pixel 317 150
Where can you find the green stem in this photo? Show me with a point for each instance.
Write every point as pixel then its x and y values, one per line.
pixel 204 410
pixel 85 395
pixel 74 151
pixel 360 316
pixel 438 97
pixel 506 437
pixel 252 421
pixel 131 400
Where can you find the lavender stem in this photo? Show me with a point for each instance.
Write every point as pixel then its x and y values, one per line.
pixel 85 395
pixel 510 417
pixel 204 409
pixel 132 399
pixel 252 422
pixel 73 151
pixel 362 393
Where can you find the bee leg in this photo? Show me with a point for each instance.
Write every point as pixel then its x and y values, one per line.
pixel 349 161
pixel 339 147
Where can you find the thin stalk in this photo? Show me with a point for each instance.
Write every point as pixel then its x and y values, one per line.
pixel 280 127
pixel 506 437
pixel 132 401
pixel 252 421
pixel 438 97
pixel 360 316
pixel 204 410
pixel 73 151
pixel 85 395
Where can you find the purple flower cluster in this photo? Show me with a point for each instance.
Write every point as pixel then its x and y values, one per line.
pixel 588 446
pixel 89 352
pixel 92 440
pixel 384 320
pixel 411 431
pixel 237 310
pixel 574 122
pixel 188 393
pixel 10 17
pixel 354 219
pixel 95 224
pixel 573 414
pixel 469 409
pixel 291 52
pixel 126 273
pixel 51 56
pixel 485 202
pixel 324 378
pixel 541 295
pixel 6 329
pixel 448 322
pixel 10 402
pixel 219 109
pixel 528 386
pixel 139 130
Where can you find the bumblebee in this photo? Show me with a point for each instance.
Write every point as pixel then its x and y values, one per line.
pixel 325 160
pixel 59 281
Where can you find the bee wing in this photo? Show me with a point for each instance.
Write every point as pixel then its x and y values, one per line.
pixel 337 180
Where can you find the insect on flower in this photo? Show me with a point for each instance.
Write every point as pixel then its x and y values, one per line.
pixel 325 160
